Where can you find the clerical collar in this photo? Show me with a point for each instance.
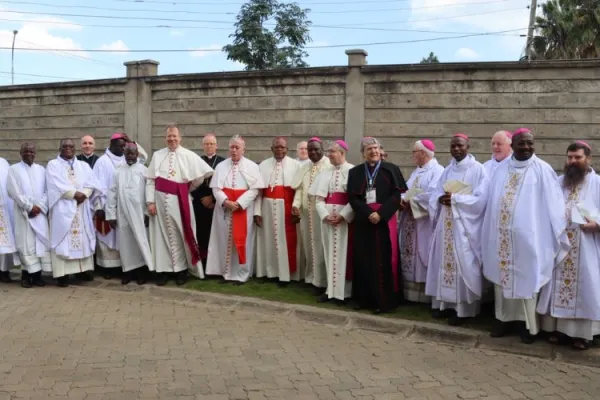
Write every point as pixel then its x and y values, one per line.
pixel 88 157
pixel 521 164
pixel 210 156
pixel 428 164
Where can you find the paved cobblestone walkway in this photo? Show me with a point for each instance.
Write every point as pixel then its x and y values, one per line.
pixel 85 343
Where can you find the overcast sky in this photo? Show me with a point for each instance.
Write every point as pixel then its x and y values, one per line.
pixel 115 24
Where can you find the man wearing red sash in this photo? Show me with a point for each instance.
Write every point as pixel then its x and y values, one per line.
pixel 336 215
pixel 173 173
pixel 277 238
pixel 235 184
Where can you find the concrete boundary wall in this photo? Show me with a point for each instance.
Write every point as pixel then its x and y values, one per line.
pixel 399 104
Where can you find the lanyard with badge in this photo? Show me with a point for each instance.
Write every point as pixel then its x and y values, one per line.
pixel 371 195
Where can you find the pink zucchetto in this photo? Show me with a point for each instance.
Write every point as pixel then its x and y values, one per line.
pixel 428 144
pixel 581 142
pixel 461 135
pixel 521 131
pixel 132 145
pixel 117 135
pixel 341 143
pixel 314 139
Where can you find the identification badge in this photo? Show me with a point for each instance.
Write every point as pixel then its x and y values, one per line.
pixel 371 196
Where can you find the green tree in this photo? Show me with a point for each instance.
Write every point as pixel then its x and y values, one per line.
pixel 260 48
pixel 431 59
pixel 567 29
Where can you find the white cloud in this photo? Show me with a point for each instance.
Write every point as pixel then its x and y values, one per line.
pixel 202 51
pixel 117 45
pixel 40 35
pixel 465 53
pixel 176 33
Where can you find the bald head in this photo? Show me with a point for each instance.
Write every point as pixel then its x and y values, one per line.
pixel 279 148
pixel 209 143
pixel 88 145
pixel 501 145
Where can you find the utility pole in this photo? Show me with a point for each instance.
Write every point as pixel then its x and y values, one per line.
pixel 12 68
pixel 532 11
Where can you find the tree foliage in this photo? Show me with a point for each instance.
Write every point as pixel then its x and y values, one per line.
pixel 567 29
pixel 259 47
pixel 430 59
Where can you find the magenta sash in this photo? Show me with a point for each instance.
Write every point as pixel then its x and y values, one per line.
pixel 181 190
pixel 337 198
pixel 393 227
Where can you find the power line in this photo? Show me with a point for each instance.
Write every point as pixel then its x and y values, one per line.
pixel 67 55
pixel 229 29
pixel 231 22
pixel 204 3
pixel 40 76
pixel 234 13
pixel 307 47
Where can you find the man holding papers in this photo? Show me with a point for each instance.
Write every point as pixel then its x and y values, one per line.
pixel 456 207
pixel 570 303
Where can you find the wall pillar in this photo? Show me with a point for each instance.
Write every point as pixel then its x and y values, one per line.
pixel 138 102
pixel 355 104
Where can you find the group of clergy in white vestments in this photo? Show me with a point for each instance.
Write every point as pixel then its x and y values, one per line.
pixel 510 228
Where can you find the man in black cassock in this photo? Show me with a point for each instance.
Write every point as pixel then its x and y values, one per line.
pixel 88 146
pixel 374 189
pixel 202 198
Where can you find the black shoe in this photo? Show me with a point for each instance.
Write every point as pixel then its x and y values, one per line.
pixel 181 278
pixel 161 279
pixel 282 283
pixel 25 280
pixel 126 278
pixel 37 279
pixel 238 283
pixel 526 337
pixel 324 298
pixel 439 314
pixel 5 277
pixel 63 281
pixel 317 291
pixel 500 329
pixel 86 276
pixel 455 320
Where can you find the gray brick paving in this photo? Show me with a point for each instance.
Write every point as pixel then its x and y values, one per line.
pixel 86 343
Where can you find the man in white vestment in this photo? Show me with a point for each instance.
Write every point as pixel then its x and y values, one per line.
pixel 26 186
pixel 107 243
pixel 277 253
pixel 454 278
pixel 235 184
pixel 501 151
pixel 524 232
pixel 125 212
pixel 173 173
pixel 7 238
pixel 570 303
pixel 336 215
pixel 70 185
pixel 311 245
pixel 415 226
pixel 302 153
